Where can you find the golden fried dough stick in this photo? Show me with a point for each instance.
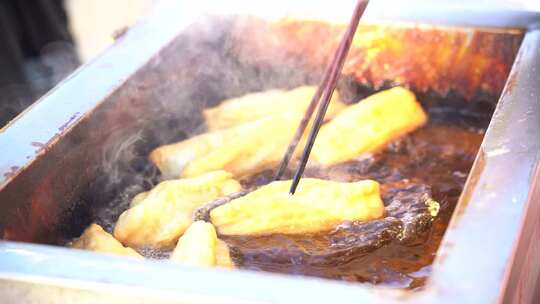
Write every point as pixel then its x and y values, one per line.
pixel 241 150
pixel 96 239
pixel 138 199
pixel 317 205
pixel 164 213
pixel 223 255
pixel 250 107
pixel 199 246
pixel 368 126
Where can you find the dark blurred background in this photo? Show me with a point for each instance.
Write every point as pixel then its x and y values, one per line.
pixel 36 52
pixel 43 41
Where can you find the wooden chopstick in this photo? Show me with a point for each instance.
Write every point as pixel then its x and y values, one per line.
pixel 303 123
pixel 321 98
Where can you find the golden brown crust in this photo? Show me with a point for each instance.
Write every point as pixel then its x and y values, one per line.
pixel 199 246
pixel 163 215
pixel 96 239
pixel 368 126
pixel 317 205
pixel 254 106
pixel 247 134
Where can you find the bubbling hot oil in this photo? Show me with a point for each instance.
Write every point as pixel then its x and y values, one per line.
pixel 437 155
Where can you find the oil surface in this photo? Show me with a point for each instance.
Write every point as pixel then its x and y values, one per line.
pixel 438 155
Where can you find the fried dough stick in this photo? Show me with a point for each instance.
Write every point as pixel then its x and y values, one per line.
pixel 317 205
pixel 199 246
pixel 254 106
pixel 96 239
pixel 368 125
pixel 262 124
pixel 241 150
pixel 159 217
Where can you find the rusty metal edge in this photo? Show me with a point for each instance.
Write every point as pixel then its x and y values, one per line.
pixel 520 281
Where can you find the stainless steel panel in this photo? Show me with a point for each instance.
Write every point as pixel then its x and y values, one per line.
pixel 476 257
pixel 103 274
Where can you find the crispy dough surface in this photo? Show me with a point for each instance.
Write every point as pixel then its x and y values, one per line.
pixel 94 238
pixel 368 126
pixel 199 246
pixel 317 205
pixel 159 217
pixel 254 106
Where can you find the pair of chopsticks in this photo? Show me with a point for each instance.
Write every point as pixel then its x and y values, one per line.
pixel 322 98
